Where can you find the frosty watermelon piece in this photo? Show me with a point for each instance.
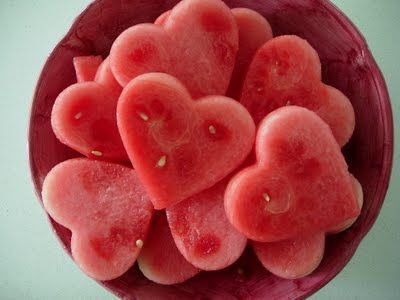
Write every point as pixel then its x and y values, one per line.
pixel 107 210
pixel 357 188
pixel 86 67
pixel 160 260
pixel 197 44
pixel 178 146
pixel 287 71
pixel 299 185
pixel 292 259
pixel 202 231
pixel 254 31
pixel 105 77
pixel 83 118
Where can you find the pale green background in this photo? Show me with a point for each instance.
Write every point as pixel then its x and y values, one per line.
pixel 32 264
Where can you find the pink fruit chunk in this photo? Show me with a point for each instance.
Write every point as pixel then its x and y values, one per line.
pixel 162 19
pixel 292 259
pixel 86 67
pixel 105 77
pixel 202 231
pixel 299 185
pixel 360 200
pixel 178 146
pixel 105 207
pixel 160 260
pixel 287 71
pixel 254 31
pixel 83 118
pixel 197 44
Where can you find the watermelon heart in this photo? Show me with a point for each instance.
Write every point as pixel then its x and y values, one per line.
pixel 178 146
pixel 287 71
pixel 299 185
pixel 107 210
pixel 197 44
pixel 160 260
pixel 83 118
pixel 202 231
pixel 292 259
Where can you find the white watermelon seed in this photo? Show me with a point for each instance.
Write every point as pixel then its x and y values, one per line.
pixel 266 197
pixel 212 129
pixel 288 103
pixel 162 161
pixel 139 243
pixel 78 116
pixel 259 89
pixel 97 153
pixel 144 116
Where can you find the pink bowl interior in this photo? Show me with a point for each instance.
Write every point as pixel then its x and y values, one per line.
pixel 347 65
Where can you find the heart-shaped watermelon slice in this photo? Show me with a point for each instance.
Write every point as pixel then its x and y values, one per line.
pixel 202 231
pixel 299 185
pixel 197 44
pixel 160 260
pixel 294 258
pixel 178 146
pixel 287 71
pixel 107 210
pixel 83 118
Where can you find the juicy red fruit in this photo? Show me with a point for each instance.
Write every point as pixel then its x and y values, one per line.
pixel 292 259
pixel 83 118
pixel 298 186
pixel 287 71
pixel 196 42
pixel 178 146
pixel 160 260
pixel 202 231
pixel 105 207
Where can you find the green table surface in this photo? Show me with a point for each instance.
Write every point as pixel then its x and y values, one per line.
pixel 32 264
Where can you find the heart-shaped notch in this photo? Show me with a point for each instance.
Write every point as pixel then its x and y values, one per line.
pixel 299 185
pixel 197 44
pixel 178 146
pixel 287 71
pixel 107 210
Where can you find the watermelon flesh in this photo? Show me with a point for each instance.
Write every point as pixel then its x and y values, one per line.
pixel 197 44
pixel 299 185
pixel 292 259
pixel 162 19
pixel 178 146
pixel 105 207
pixel 105 77
pixel 202 232
pixel 254 31
pixel 357 188
pixel 287 71
pixel 83 118
pixel 160 260
pixel 86 67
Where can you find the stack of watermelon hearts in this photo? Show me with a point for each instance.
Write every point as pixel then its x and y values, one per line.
pixel 178 175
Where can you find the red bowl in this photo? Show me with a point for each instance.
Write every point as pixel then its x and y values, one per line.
pixel 347 65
